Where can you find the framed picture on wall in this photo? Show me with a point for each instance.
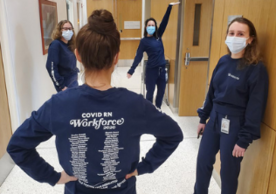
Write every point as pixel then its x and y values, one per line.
pixel 48 22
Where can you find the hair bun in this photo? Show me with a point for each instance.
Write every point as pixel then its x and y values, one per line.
pixel 102 22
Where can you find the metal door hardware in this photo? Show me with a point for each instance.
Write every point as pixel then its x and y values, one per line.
pixel 188 58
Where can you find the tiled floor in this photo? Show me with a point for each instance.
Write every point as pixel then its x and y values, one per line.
pixel 175 176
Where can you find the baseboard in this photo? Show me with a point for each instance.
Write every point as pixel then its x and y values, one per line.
pixel 6 165
pixel 173 109
pixel 125 62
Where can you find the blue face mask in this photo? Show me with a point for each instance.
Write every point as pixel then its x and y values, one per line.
pixel 150 30
pixel 67 35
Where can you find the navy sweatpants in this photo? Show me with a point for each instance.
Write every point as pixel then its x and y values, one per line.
pixel 212 141
pixel 156 76
pixel 70 82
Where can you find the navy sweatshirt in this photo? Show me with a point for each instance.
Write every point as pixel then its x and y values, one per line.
pixel 97 138
pixel 238 92
pixel 61 63
pixel 153 47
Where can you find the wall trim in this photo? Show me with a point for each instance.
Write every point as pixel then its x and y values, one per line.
pixel 8 66
pixel 174 109
pixel 125 62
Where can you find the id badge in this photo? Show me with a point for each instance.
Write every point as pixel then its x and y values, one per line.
pixel 225 125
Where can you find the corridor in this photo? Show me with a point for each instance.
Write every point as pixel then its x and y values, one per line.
pixel 175 176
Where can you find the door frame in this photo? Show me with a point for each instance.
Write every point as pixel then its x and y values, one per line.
pixel 210 46
pixel 179 56
pixel 177 72
pixel 6 163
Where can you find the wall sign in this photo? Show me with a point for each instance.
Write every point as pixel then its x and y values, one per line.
pixel 132 25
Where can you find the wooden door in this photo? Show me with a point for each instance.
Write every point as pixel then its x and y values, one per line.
pixel 5 121
pixel 99 4
pixel 123 11
pixel 196 42
pixel 130 38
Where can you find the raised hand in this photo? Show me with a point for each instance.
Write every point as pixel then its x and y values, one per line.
pixel 174 3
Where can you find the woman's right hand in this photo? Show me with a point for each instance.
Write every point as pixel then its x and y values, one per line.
pixel 128 76
pixel 65 178
pixel 200 128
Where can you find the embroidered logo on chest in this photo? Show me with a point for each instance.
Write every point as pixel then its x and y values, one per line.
pixel 234 77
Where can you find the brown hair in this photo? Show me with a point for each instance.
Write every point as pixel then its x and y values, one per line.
pixel 57 34
pixel 252 54
pixel 98 41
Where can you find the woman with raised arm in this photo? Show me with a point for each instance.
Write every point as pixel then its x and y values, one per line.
pixel 155 68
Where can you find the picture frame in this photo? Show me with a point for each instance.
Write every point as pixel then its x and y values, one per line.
pixel 48 22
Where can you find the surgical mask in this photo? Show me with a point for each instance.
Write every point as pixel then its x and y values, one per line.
pixel 151 30
pixel 235 44
pixel 67 35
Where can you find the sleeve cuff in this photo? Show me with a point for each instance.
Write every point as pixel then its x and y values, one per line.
pixel 143 167
pixel 130 72
pixel 202 121
pixel 242 144
pixel 55 179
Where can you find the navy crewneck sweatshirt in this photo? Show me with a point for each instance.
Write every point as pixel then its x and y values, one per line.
pixel 238 91
pixel 153 47
pixel 61 63
pixel 97 139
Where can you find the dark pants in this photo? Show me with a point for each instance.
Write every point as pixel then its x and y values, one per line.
pixel 156 76
pixel 212 141
pixel 70 82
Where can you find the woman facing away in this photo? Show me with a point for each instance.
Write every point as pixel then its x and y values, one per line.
pixel 155 69
pixel 61 62
pixel 97 127
pixel 235 105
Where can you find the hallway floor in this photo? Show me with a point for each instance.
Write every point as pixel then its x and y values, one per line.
pixel 175 176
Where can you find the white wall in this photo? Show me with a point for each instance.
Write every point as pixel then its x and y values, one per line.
pixel 82 15
pixel 26 76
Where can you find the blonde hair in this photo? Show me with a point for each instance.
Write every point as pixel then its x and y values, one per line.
pixel 57 34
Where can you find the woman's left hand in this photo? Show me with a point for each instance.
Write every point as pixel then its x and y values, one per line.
pixel 238 151
pixel 135 173
pixel 64 88
pixel 174 3
pixel 129 75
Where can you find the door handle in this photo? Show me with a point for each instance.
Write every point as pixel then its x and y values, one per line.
pixel 188 58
